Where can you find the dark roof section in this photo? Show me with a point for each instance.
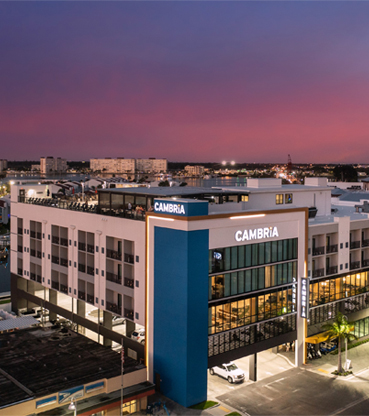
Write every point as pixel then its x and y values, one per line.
pixel 42 361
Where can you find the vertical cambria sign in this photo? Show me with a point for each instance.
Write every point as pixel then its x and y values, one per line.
pixel 304 298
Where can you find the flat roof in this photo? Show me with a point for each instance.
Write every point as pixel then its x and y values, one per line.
pixel 36 362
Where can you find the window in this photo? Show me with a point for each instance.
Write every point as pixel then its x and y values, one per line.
pixel 288 198
pixel 244 198
pixel 279 199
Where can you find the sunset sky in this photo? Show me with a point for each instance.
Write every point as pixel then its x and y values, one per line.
pixel 186 81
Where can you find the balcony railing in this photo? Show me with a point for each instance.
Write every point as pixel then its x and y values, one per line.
pixel 128 282
pixel 64 262
pixel 90 271
pixel 55 240
pixel 129 258
pixel 354 265
pixel 332 249
pixel 33 234
pixel 64 242
pixel 112 254
pixel 33 276
pixel 63 288
pixel 90 298
pixel 55 285
pixel 128 313
pixel 113 278
pixel 33 252
pixel 317 251
pixel 113 307
pixel 318 273
pixel 20 230
pixel 355 244
pixel 81 267
pixel 81 295
pixel 332 270
pixel 82 246
pixel 90 249
pixel 38 278
pixel 38 254
pixel 365 243
pixel 38 236
pixel 20 249
pixel 365 263
pixel 55 259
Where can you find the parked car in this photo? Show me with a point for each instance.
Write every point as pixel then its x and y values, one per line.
pixel 139 335
pixel 118 320
pixel 229 371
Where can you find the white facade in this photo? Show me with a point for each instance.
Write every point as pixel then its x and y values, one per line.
pixel 3 164
pixel 51 165
pixel 119 165
pixel 194 170
pixel 151 165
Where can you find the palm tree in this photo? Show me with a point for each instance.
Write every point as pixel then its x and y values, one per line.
pixel 340 328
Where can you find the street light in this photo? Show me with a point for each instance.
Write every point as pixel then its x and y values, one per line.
pixel 73 406
pixel 346 346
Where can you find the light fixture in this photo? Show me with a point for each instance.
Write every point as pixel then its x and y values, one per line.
pixel 247 216
pixel 73 406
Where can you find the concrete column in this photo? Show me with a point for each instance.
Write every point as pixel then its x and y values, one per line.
pixel 108 324
pixel 53 298
pixel 130 327
pixel 275 350
pixel 253 367
pixel 81 311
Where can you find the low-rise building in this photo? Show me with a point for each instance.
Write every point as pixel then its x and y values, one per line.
pixel 3 165
pixel 194 170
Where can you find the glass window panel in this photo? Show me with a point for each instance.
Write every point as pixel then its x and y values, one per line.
pixel 285 273
pixel 268 276
pixel 116 201
pixel 227 258
pixel 254 255
pixel 280 250
pixel 254 279
pixel 218 289
pixel 274 251
pixel 234 315
pixel 247 311
pixel 273 280
pixel 290 272
pixel 261 253
pixel 261 307
pixel 285 249
pixel 295 242
pixel 104 200
pixel 279 274
pixel 234 283
pixel 234 262
pixel 248 255
pixel 268 252
pixel 241 282
pixel 248 281
pixel 227 284
pixel 241 257
pixel 261 278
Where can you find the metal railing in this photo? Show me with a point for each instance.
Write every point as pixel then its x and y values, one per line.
pixel 54 259
pixel 64 242
pixel 354 265
pixel 113 278
pixel 317 251
pixel 90 249
pixel 90 298
pixel 20 249
pixel 332 270
pixel 365 243
pixel 82 246
pixel 63 288
pixel 113 307
pixel 33 252
pixel 33 276
pixel 128 313
pixel 365 263
pixel 129 258
pixel 81 267
pixel 354 244
pixel 128 282
pixel 90 271
pixel 20 230
pixel 63 262
pixel 113 254
pixel 332 248
pixel 318 273
pixel 55 285
pixel 81 295
pixel 55 240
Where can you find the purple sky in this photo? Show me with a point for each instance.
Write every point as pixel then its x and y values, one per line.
pixel 188 81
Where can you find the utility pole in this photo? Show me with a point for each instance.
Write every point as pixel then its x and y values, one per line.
pixel 121 384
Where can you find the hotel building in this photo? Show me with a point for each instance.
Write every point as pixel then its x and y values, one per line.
pixel 214 274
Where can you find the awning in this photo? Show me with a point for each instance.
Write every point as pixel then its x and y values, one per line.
pixel 316 339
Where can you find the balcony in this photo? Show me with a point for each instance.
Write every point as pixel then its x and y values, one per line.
pixel 38 236
pixel 332 270
pixel 33 234
pixel 20 249
pixel 55 285
pixel 365 243
pixel 332 249
pixel 81 267
pixel 55 240
pixel 20 231
pixel 128 282
pixel 90 271
pixel 38 254
pixel 33 276
pixel 318 251
pixel 129 258
pixel 318 273
pixel 81 295
pixel 128 313
pixel 354 244
pixel 113 307
pixel 33 252
pixel 90 249
pixel 55 259
pixel 38 278
pixel 365 263
pixel 63 288
pixel 82 246
pixel 354 265
pixel 113 278
pixel 20 271
pixel 112 254
pixel 64 262
pixel 90 299
pixel 64 242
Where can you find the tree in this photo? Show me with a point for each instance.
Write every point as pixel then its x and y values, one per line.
pixel 345 173
pixel 340 328
pixel 164 183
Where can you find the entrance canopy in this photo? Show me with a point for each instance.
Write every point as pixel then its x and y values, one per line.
pixel 318 338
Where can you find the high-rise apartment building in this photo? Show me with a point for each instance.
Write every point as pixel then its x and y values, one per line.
pixel 194 170
pixel 53 165
pixel 152 165
pixel 109 165
pixel 3 164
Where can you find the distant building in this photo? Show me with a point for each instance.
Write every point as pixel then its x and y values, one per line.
pixel 51 165
pixel 3 164
pixel 109 165
pixel 35 167
pixel 194 170
pixel 151 165
pixel 4 209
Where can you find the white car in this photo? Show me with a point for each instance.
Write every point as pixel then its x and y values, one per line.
pixel 139 335
pixel 230 372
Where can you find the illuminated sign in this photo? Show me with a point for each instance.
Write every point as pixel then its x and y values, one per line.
pixel 170 208
pixel 305 298
pixel 75 392
pixel 256 234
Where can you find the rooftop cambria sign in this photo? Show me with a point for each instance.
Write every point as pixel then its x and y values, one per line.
pixel 170 208
pixel 256 234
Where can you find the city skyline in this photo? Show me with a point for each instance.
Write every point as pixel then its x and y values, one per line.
pixel 186 81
